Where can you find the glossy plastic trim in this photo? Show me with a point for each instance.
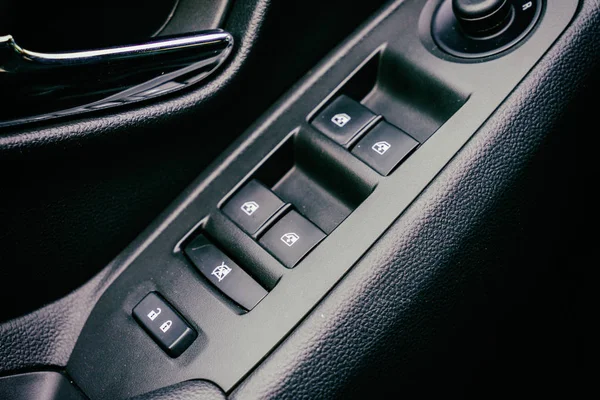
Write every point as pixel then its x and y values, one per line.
pixel 45 85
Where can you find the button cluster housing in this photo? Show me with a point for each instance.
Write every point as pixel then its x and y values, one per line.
pixel 278 227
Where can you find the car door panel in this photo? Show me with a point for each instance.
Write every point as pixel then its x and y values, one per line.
pixel 458 284
pixel 91 184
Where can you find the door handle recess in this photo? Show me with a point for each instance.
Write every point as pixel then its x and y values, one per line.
pixel 39 86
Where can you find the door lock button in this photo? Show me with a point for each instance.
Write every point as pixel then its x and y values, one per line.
pixel 343 119
pixel 224 273
pixel 384 147
pixel 164 324
pixel 290 239
pixel 252 206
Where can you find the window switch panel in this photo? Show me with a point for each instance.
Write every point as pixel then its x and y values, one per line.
pixel 164 324
pixel 384 147
pixel 252 206
pixel 291 238
pixel 224 273
pixel 343 119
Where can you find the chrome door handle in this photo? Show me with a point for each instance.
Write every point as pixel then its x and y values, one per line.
pixel 39 86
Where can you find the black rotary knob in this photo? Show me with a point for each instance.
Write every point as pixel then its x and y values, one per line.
pixel 482 17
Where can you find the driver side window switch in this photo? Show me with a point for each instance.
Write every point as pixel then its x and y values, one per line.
pixel 164 324
pixel 290 239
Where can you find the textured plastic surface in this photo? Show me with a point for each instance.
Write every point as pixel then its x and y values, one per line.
pixel 190 390
pixel 472 277
pixel 226 355
pixel 38 386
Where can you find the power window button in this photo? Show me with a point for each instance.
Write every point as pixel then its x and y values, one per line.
pixel 290 239
pixel 252 206
pixel 343 119
pixel 384 147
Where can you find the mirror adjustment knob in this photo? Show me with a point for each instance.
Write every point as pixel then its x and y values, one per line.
pixel 482 28
pixel 482 17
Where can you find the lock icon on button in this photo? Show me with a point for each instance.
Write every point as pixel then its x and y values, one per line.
pixel 165 327
pixel 153 314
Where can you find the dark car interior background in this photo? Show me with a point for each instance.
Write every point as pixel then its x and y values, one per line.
pixel 256 199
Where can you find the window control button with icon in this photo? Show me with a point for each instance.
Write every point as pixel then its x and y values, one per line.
pixel 225 274
pixel 343 119
pixel 252 206
pixel 164 324
pixel 291 238
pixel 384 147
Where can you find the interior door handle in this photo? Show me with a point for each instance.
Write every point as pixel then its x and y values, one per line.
pixel 45 85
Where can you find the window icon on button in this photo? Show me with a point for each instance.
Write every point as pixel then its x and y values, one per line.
pixel 290 238
pixel 381 147
pixel 249 207
pixel 221 271
pixel 341 119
